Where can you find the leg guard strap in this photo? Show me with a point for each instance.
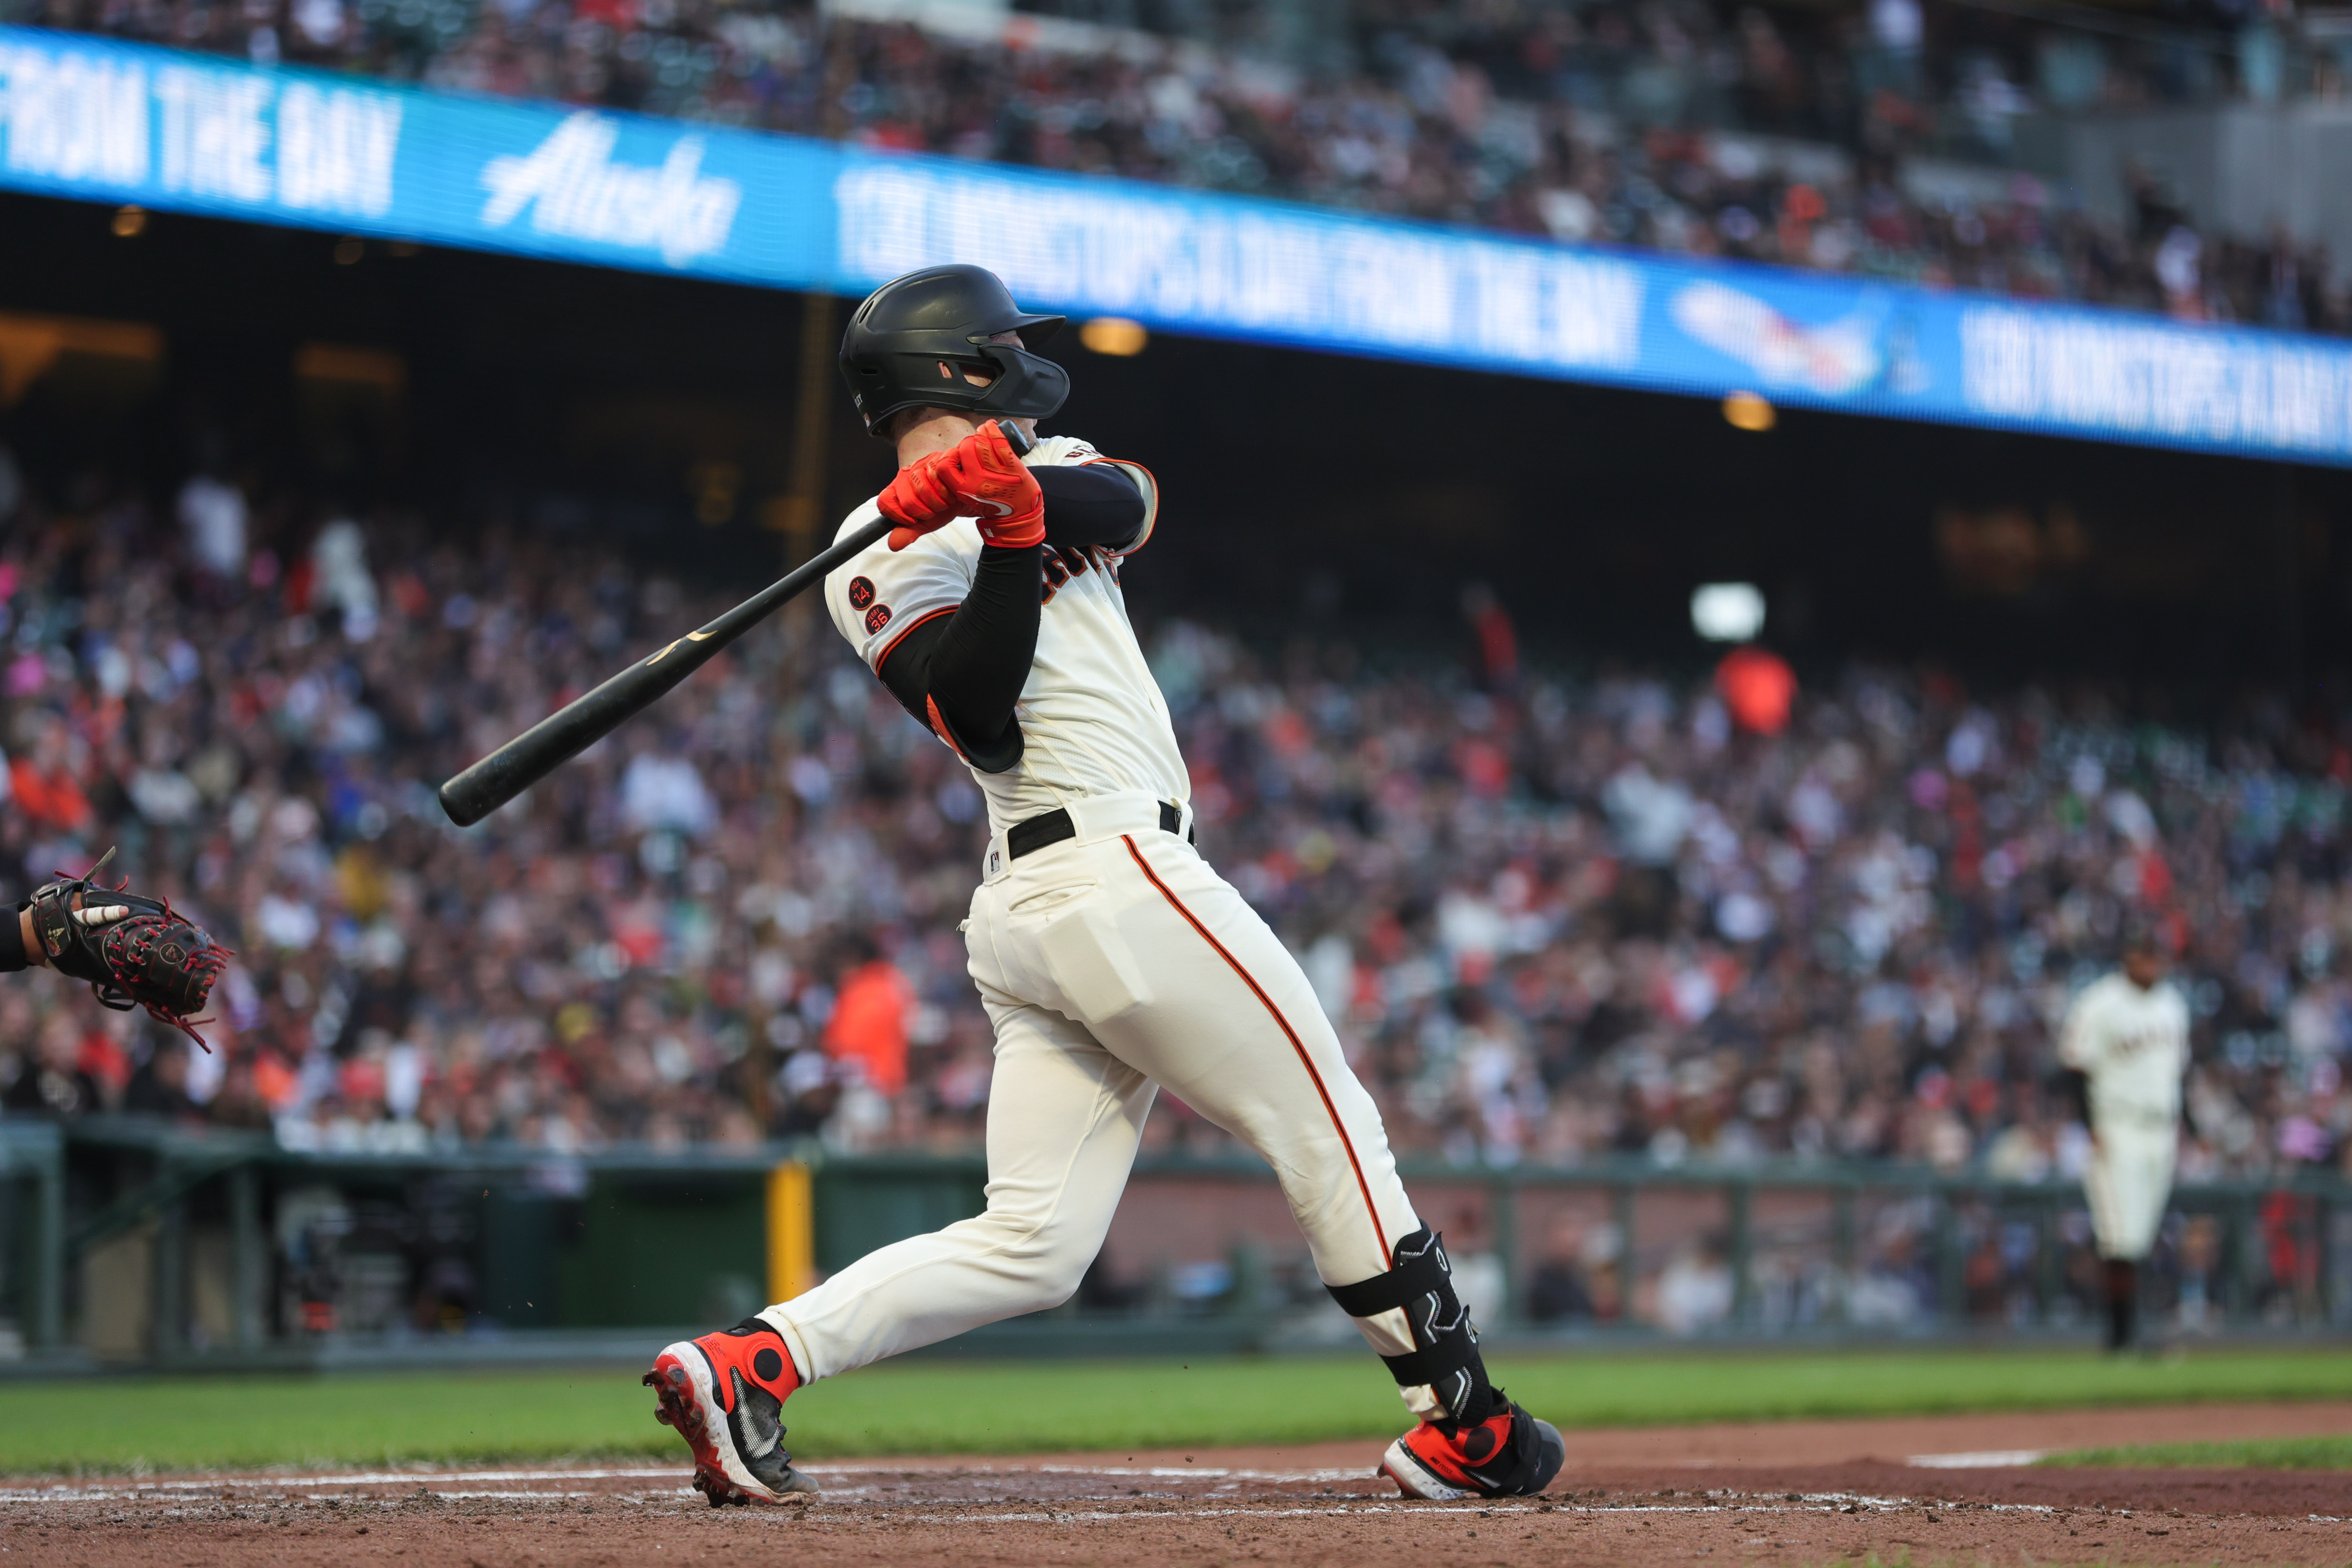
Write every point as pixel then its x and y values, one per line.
pixel 1441 1365
pixel 1420 1268
pixel 1444 1356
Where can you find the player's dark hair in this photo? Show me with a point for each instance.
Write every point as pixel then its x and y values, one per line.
pixel 906 346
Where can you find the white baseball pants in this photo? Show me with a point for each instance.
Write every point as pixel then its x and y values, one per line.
pixel 2128 1181
pixel 1110 963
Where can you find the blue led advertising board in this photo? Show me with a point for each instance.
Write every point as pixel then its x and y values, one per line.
pixel 100 120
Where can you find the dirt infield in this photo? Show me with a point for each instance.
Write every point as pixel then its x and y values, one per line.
pixel 1933 1491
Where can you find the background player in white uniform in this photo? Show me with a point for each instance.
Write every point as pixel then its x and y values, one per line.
pixel 1110 957
pixel 2126 1040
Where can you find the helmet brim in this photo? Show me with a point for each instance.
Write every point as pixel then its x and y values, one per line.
pixel 1037 331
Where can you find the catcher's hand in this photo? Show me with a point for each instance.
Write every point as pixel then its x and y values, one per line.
pixel 134 951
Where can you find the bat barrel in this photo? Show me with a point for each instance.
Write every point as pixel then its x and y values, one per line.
pixel 579 724
pixel 539 751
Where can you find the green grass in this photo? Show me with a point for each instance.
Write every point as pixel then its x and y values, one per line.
pixel 937 1406
pixel 2327 1453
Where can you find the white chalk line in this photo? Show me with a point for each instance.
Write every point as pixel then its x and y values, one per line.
pixel 977 1511
pixel 413 1482
pixel 1454 1511
pixel 1825 1502
pixel 419 1486
pixel 426 1478
pixel 417 1478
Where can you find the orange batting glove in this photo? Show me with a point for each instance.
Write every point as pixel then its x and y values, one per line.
pixel 991 483
pixel 918 500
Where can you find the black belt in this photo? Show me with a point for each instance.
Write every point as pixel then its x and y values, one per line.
pixel 1052 827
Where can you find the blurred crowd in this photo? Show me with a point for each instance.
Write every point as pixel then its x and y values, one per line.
pixel 1564 919
pixel 1556 920
pixel 1787 135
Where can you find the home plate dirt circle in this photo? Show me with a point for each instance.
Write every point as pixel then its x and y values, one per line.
pixel 1802 1492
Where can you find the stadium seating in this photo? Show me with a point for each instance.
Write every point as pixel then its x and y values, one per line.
pixel 1555 916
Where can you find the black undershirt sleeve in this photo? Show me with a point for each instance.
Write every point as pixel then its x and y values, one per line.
pixel 11 940
pixel 2074 1093
pixel 1090 503
pixel 971 664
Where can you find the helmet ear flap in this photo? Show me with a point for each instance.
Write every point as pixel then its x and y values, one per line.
pixel 1027 385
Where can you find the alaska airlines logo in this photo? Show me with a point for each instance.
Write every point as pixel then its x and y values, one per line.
pixel 1835 360
pixel 575 190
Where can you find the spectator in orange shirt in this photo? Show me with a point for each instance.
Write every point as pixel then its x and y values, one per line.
pixel 101 1055
pixel 44 784
pixel 869 1019
pixel 1494 641
pixel 1757 686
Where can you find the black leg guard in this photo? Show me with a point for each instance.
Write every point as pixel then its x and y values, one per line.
pixel 1446 1342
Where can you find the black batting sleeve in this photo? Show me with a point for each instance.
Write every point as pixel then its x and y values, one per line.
pixel 2074 1093
pixel 1090 503
pixel 959 674
pixel 11 942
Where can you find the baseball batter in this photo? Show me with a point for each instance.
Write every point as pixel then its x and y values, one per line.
pixel 1112 959
pixel 2126 1042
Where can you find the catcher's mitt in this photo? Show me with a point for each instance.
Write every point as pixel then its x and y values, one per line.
pixel 133 950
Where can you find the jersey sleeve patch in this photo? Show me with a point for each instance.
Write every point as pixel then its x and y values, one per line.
pixel 873 597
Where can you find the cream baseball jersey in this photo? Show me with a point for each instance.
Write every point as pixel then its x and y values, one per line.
pixel 1092 719
pixel 2132 1045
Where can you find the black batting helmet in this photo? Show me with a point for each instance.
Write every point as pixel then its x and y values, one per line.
pixel 909 343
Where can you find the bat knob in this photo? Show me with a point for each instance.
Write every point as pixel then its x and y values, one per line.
pixel 458 803
pixel 1020 440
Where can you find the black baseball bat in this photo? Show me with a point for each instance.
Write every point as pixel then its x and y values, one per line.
pixel 586 720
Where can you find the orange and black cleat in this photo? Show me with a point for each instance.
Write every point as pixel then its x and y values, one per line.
pixel 725 1394
pixel 1509 1454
